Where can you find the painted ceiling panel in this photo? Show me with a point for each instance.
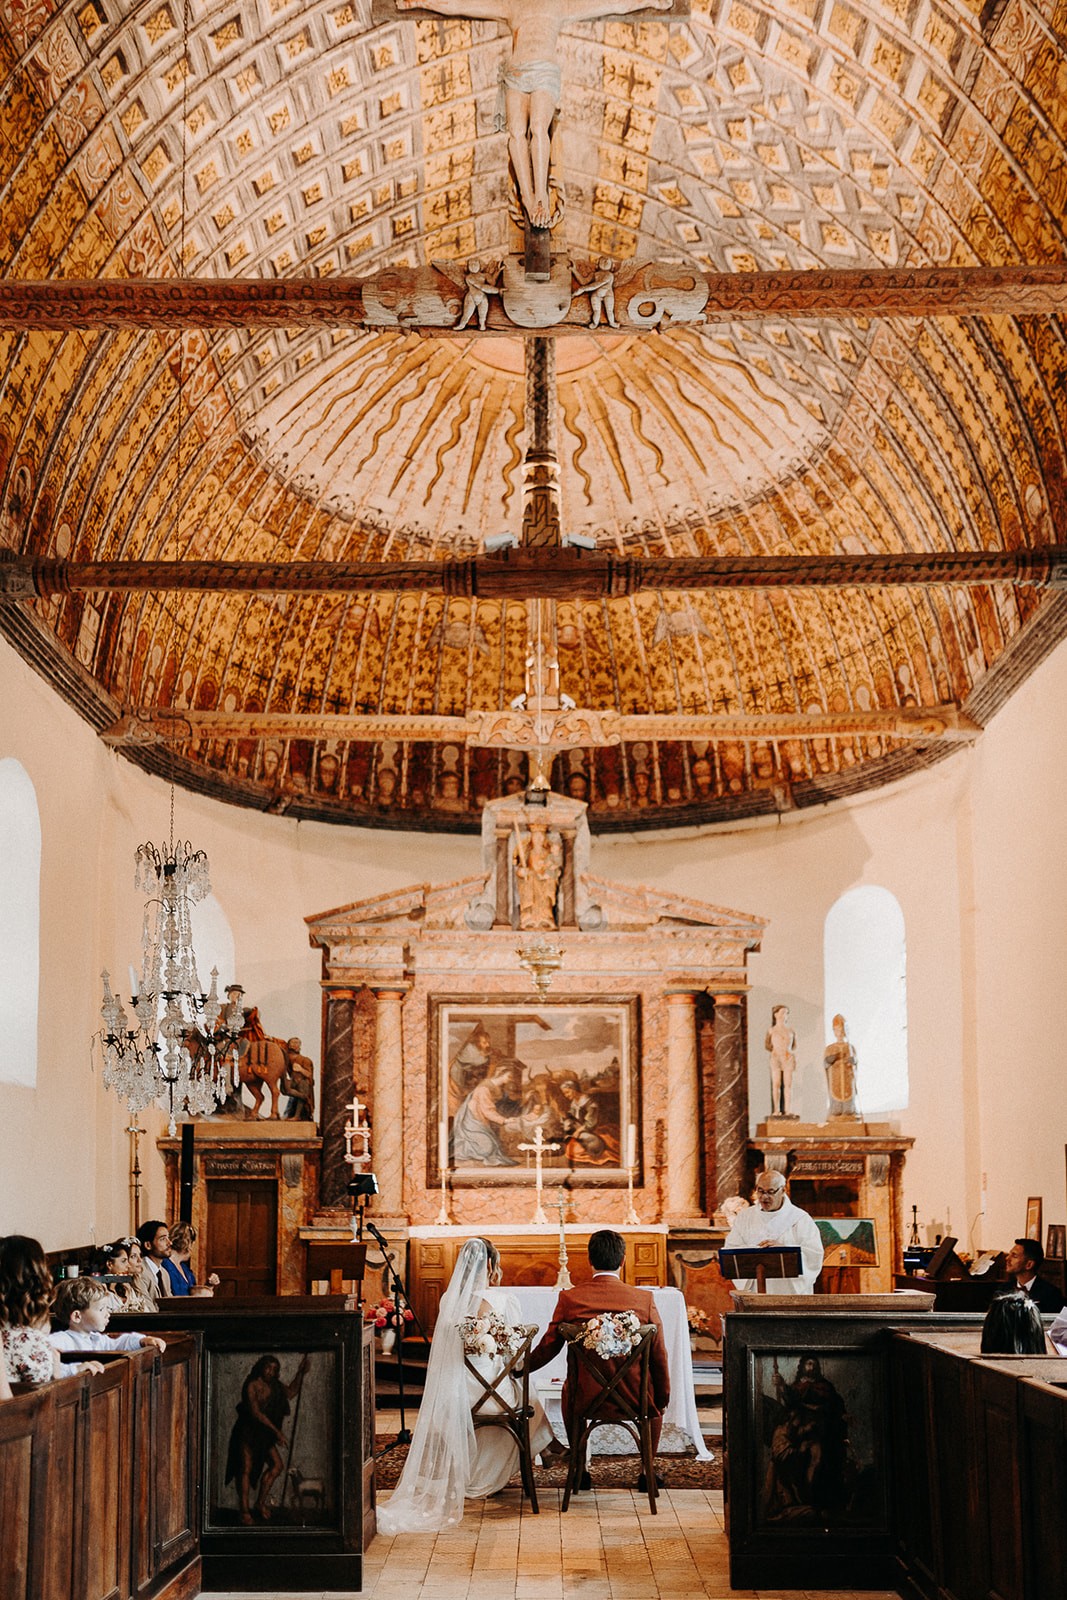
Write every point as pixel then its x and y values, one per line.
pixel 307 141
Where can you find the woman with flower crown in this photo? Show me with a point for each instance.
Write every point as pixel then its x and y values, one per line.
pixel 448 1461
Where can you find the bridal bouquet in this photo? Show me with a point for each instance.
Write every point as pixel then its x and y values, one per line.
pixel 489 1335
pixel 612 1333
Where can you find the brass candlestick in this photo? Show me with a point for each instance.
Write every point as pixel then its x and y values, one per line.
pixel 563 1277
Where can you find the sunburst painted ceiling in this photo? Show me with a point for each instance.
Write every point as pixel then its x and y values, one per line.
pixel 310 140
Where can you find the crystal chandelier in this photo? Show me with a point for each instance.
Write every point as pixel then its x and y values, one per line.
pixel 182 1049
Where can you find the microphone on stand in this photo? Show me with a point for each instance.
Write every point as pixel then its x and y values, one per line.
pixel 371 1229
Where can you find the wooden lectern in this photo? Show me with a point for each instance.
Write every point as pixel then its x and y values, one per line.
pixel 339 1262
pixel 776 1261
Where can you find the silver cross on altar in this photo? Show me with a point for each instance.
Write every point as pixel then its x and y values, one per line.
pixel 540 1150
pixel 357 1129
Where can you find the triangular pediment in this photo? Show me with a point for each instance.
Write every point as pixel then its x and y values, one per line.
pixel 418 905
pixel 633 906
pixel 624 908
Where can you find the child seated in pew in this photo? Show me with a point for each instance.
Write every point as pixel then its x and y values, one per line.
pixel 123 1260
pixel 80 1315
pixel 25 1294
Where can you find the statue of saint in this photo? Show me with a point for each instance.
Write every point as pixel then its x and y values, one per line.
pixel 839 1060
pixel 532 80
pixel 538 863
pixel 781 1042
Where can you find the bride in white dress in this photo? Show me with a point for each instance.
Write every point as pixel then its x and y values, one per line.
pixel 448 1461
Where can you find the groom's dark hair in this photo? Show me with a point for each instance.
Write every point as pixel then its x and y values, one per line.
pixel 607 1251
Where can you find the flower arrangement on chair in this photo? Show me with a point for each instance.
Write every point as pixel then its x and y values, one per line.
pixel 489 1335
pixel 612 1333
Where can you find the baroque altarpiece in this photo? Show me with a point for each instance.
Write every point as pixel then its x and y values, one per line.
pixel 632 1057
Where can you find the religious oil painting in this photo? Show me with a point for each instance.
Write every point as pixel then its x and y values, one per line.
pixel 272 1457
pixel 1033 1218
pixel 816 1461
pixel 513 1075
pixel 848 1241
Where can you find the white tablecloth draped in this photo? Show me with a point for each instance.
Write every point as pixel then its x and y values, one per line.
pixel 681 1427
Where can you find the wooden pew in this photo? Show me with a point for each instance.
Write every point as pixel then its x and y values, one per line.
pixel 97 1482
pixel 289 1551
pixel 987 1450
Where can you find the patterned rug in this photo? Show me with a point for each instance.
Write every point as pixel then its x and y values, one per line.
pixel 607 1472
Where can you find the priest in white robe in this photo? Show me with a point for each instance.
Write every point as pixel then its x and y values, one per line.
pixel 775 1220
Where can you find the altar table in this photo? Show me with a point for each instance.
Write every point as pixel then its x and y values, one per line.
pixel 681 1426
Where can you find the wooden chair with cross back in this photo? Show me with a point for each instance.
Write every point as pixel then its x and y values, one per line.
pixel 494 1409
pixel 604 1394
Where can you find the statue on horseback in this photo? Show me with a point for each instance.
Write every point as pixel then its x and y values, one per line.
pixel 266 1064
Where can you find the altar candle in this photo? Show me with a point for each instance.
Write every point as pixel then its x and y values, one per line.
pixel 442 1147
pixel 631 1145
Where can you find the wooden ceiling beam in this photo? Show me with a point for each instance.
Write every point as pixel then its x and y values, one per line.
pixel 508 730
pixel 524 575
pixel 423 299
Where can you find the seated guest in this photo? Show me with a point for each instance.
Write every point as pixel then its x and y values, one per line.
pixel 153 1280
pixel 81 1312
pixel 25 1296
pixel 176 1265
pixel 1012 1327
pixel 5 1387
pixel 1023 1262
pixel 607 1292
pixel 123 1260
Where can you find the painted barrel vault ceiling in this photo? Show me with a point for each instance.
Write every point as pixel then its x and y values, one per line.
pixel 743 138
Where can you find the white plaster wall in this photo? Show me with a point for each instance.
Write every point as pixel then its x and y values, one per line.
pixel 1018 893
pixel 792 871
pixel 972 850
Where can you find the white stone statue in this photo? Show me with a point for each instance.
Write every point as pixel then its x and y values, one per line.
pixel 781 1042
pixel 532 81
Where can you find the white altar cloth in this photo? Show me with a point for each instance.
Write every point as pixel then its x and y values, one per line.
pixel 681 1426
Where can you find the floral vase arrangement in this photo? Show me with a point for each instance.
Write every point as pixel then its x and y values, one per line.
pixel 387 1320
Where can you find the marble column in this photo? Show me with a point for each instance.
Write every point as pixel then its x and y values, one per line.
pixel 338 1078
pixel 731 1096
pixel 683 1109
pixel 387 1144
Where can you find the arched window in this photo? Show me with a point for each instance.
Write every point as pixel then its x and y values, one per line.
pixel 213 943
pixel 20 923
pixel 865 978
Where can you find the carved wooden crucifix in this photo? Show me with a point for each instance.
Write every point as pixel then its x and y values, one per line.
pixel 530 89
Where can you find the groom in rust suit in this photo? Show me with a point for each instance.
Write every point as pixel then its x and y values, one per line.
pixel 606 1292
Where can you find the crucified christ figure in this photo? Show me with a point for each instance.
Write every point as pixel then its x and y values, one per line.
pixel 532 80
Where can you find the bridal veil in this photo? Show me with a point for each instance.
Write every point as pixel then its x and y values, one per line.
pixel 437 1472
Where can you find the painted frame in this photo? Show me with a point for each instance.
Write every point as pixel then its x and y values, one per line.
pixel 258 1483
pixel 848 1241
pixel 318 1542
pixel 816 1457
pixel 503 1066
pixel 1033 1218
pixel 1056 1247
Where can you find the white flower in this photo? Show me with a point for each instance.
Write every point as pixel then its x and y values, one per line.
pixel 613 1333
pixel 488 1336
